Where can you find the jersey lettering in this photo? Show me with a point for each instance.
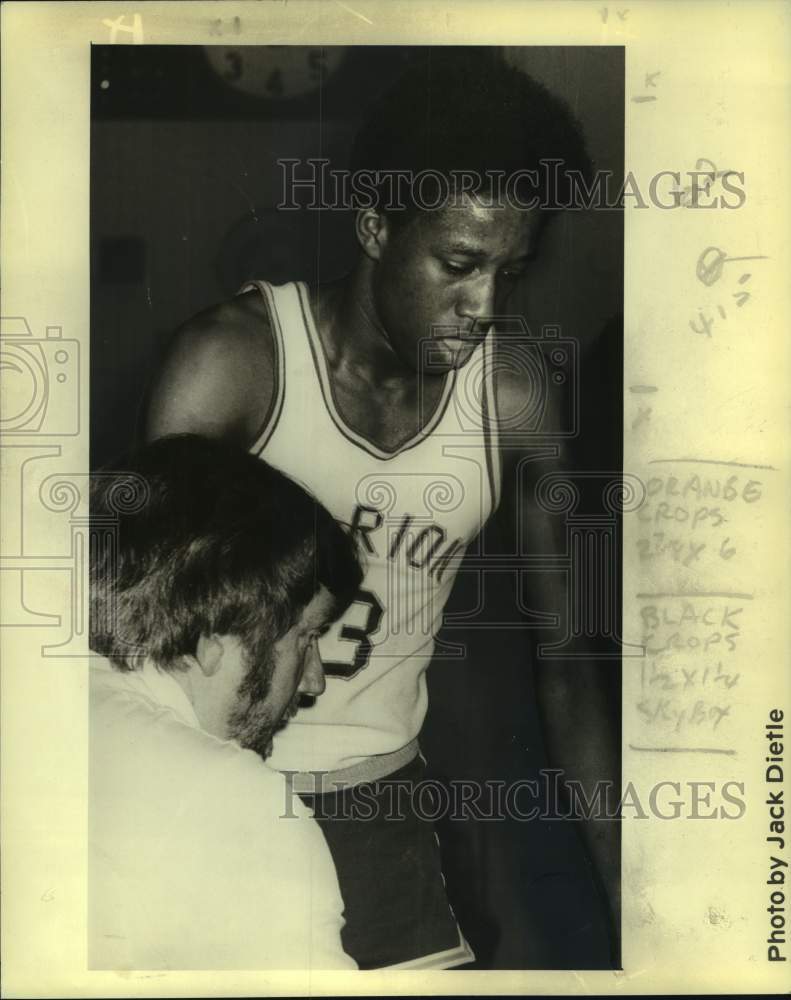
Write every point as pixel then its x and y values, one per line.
pixel 369 605
pixel 421 542
pixel 364 521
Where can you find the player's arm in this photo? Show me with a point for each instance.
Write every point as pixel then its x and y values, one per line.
pixel 216 377
pixel 579 716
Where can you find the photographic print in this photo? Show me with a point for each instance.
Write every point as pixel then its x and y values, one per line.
pixel 394 538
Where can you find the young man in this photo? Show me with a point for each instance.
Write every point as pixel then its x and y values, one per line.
pixel 217 576
pixel 385 395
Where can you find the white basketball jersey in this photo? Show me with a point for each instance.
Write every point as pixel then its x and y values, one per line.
pixel 414 513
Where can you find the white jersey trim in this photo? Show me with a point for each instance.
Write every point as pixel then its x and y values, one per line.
pixel 271 422
pixel 448 959
pixel 491 419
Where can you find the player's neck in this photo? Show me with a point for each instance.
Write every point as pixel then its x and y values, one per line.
pixel 354 340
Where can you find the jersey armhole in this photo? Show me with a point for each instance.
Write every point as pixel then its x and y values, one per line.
pixel 490 418
pixel 270 421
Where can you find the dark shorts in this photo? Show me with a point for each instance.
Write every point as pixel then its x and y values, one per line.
pixel 388 865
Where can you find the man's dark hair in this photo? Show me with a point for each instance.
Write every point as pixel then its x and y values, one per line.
pixel 192 537
pixel 467 109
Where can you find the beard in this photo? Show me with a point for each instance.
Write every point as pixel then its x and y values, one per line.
pixel 252 723
pixel 254 728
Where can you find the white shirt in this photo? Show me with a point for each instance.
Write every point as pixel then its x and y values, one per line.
pixel 199 857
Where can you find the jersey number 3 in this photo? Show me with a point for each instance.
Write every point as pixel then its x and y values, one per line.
pixel 367 611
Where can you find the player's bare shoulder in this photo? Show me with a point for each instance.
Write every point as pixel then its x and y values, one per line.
pixel 218 375
pixel 535 384
pixel 517 385
pixel 536 389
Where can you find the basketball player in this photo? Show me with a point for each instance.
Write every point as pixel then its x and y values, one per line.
pixel 382 393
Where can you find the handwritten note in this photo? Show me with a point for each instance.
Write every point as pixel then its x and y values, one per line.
pixel 695 526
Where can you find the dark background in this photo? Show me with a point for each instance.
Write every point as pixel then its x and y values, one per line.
pixel 184 188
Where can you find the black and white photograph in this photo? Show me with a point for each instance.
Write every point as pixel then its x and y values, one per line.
pixel 348 336
pixel 394 498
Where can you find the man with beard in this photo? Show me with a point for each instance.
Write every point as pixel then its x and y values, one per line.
pixel 216 577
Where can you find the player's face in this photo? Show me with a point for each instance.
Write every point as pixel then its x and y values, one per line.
pixel 450 269
pixel 295 669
